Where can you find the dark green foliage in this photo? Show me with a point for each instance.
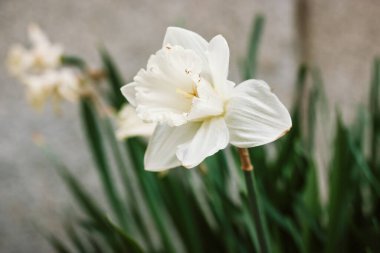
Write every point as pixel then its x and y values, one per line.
pixel 114 79
pixel 73 61
pixel 375 116
pixel 250 63
pixel 97 147
pixel 206 209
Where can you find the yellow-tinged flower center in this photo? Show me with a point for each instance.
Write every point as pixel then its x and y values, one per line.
pixel 186 94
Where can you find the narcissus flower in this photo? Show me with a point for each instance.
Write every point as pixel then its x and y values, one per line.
pixel 54 84
pixel 130 125
pixel 185 89
pixel 40 56
pixel 40 68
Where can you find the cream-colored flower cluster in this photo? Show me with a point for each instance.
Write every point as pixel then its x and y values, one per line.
pixel 40 68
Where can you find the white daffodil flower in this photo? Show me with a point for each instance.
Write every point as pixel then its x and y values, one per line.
pixel 130 125
pixel 41 55
pixel 40 68
pixel 199 111
pixel 18 60
pixel 54 84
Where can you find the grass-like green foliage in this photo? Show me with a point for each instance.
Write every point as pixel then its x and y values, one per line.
pixel 206 209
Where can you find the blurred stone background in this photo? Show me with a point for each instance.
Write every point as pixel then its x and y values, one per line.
pixel 341 37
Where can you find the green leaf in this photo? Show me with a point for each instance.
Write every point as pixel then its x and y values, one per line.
pixel 302 73
pixel 150 186
pixel 375 113
pixel 285 223
pixel 287 146
pixel 342 189
pixel 73 61
pixel 314 96
pixel 92 128
pixel 95 246
pixel 128 244
pixel 58 245
pixel 114 78
pixel 217 181
pixel 75 238
pixel 139 224
pixel 114 236
pixel 254 42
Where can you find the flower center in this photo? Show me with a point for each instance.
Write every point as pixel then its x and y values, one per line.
pixel 188 94
pixel 174 89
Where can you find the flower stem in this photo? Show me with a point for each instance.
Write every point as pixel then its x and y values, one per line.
pixel 254 200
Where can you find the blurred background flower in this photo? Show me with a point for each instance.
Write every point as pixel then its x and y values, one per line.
pixel 40 68
pixel 341 37
pixel 130 125
pixel 40 56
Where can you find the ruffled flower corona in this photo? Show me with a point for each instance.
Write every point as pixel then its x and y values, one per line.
pixel 185 90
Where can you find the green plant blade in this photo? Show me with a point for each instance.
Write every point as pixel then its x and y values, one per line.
pixel 92 128
pixel 114 79
pixel 254 42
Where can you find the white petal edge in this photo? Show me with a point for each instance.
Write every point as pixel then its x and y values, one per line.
pixel 219 57
pixel 186 39
pixel 255 116
pixel 161 152
pixel 211 137
pixel 129 92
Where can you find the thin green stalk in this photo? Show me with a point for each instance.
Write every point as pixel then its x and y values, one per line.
pixel 254 200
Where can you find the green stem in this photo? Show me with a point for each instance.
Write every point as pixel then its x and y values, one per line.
pixel 254 201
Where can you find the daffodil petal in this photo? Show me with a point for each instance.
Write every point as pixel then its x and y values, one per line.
pixel 255 116
pixel 160 154
pixel 129 92
pixel 130 125
pixel 144 130
pixel 218 57
pixel 186 39
pixel 211 137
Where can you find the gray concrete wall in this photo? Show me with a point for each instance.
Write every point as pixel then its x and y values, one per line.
pixel 340 36
pixel 343 39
